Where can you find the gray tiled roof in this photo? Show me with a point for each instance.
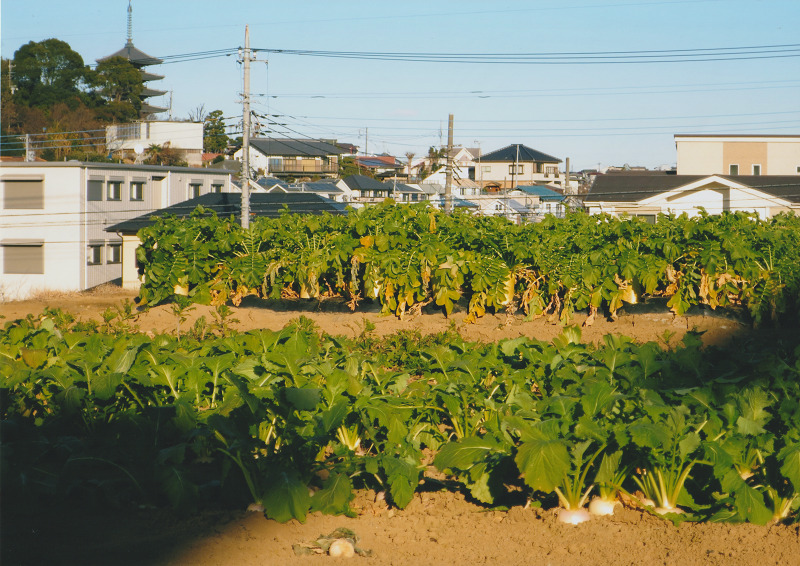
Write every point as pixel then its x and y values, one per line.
pixel 270 205
pixel 634 187
pixel 508 154
pixel 134 55
pixel 295 147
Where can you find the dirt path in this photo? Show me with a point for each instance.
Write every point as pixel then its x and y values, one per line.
pixel 436 528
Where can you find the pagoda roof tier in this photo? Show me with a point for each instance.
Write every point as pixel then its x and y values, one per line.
pixel 151 76
pixel 150 109
pixel 137 57
pixel 148 92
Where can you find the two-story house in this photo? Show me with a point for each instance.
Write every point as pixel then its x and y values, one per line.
pixel 516 165
pixel 293 158
pixel 54 215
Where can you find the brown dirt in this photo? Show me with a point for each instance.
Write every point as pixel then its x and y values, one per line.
pixel 436 528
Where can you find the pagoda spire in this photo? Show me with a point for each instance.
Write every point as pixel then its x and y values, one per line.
pixel 130 23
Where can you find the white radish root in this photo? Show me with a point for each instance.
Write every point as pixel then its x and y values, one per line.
pixel 341 548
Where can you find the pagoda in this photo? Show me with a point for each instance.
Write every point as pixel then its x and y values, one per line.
pixel 140 60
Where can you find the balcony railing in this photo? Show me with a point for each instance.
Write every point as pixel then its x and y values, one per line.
pixel 299 167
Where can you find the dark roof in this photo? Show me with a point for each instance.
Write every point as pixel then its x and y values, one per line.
pixel 295 147
pixel 135 56
pixel 526 154
pixel 378 161
pixel 270 205
pixel 147 92
pixel 363 183
pixel 632 187
pixel 151 109
pixel 151 76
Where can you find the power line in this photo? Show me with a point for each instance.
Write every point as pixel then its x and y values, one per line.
pixel 566 58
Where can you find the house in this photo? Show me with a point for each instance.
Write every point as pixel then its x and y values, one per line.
pixel 54 216
pixel 367 190
pixel 738 154
pixel 516 165
pixel 270 205
pixel 380 166
pixel 293 158
pixel 539 201
pixel 647 195
pixel 333 191
pixel 132 140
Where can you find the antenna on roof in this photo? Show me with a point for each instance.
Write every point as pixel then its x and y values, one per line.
pixel 130 23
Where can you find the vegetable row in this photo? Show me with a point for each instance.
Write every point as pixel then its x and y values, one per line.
pixel 295 421
pixel 410 256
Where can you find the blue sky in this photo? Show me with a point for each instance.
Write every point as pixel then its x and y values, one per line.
pixel 596 114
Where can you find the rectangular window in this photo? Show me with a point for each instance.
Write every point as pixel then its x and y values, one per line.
pixel 114 190
pixel 734 169
pixel 23 194
pixel 23 257
pixel 94 254
pixel 516 169
pixel 94 190
pixel 114 253
pixel 488 168
pixel 137 190
pixel 194 190
pixel 216 188
pixel 756 169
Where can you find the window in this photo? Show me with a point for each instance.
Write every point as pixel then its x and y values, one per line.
pixel 23 194
pixel 94 190
pixel 23 257
pixel 516 169
pixel 756 169
pixel 114 253
pixel 94 254
pixel 194 190
pixel 216 188
pixel 734 169
pixel 114 190
pixel 488 168
pixel 137 190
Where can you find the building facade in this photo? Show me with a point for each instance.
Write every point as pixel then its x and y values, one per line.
pixel 738 155
pixel 54 215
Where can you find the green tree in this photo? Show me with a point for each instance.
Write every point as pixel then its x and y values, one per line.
pixel 119 85
pixel 214 138
pixel 348 166
pixel 49 71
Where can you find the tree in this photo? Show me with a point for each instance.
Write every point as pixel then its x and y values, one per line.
pixel 46 72
pixel 119 85
pixel 214 138
pixel 163 155
pixel 348 166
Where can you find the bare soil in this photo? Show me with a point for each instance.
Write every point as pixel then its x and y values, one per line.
pixel 438 527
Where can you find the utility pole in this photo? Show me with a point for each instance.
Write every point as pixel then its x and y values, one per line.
pixel 448 187
pixel 246 132
pixel 30 155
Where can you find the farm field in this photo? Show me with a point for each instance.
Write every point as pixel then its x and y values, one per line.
pixel 436 525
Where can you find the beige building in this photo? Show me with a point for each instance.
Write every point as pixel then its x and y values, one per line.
pixel 738 155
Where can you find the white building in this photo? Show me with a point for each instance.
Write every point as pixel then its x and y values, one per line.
pixel 185 137
pixel 53 216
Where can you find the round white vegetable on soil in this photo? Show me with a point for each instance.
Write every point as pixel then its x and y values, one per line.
pixel 342 548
